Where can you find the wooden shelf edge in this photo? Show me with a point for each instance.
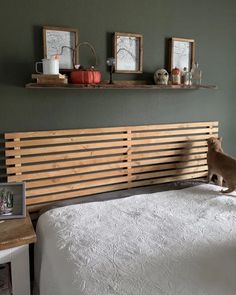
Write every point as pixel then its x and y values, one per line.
pixel 118 86
pixel 16 232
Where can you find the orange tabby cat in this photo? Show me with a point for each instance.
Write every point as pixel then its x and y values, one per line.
pixel 221 165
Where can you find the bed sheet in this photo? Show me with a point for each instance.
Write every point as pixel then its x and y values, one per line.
pixel 173 242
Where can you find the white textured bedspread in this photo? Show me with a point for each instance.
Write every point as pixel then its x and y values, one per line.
pixel 167 243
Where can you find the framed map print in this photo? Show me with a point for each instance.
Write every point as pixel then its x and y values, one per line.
pixel 128 53
pixel 182 53
pixel 62 42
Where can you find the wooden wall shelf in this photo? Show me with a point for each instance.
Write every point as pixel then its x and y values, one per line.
pixel 118 86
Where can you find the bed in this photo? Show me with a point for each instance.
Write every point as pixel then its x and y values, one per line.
pixel 179 241
pixel 173 242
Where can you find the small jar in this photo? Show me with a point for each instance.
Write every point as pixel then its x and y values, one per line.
pixel 196 74
pixel 176 76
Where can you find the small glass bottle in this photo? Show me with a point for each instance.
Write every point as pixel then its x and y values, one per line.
pixel 186 77
pixel 183 74
pixel 196 74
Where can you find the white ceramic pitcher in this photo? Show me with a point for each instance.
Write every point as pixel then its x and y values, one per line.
pixel 50 66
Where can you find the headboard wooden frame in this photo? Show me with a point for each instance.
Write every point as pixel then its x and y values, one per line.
pixel 63 164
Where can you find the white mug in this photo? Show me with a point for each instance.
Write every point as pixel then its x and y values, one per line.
pixel 50 66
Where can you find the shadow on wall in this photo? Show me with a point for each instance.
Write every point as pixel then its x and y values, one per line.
pixel 167 53
pixel 37 43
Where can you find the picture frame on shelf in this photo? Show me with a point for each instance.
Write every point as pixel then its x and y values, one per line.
pixel 181 53
pixel 12 200
pixel 63 42
pixel 128 52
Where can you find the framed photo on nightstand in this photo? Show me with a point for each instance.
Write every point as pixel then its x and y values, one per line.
pixel 12 200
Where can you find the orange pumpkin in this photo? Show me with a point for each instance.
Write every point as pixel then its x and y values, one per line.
pixel 88 76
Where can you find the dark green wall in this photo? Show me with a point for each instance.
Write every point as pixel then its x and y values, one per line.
pixel 211 23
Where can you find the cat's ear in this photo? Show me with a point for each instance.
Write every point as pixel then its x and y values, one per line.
pixel 220 139
pixel 210 141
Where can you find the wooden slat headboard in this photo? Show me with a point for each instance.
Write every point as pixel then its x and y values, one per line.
pixel 63 164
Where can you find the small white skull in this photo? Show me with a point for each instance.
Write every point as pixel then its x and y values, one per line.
pixel 161 77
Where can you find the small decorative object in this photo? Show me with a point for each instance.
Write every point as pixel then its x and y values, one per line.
pixel 196 74
pixel 183 72
pixel 54 39
pixel 111 63
pixel 182 53
pixel 176 76
pixel 12 200
pixel 6 202
pixel 186 77
pixel 161 77
pixel 50 79
pixel 86 76
pixel 50 66
pixel 128 53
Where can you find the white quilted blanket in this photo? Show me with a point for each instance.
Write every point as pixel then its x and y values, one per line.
pixel 167 243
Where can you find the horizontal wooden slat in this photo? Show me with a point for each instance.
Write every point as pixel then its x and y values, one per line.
pixel 74 155
pixel 66 164
pixel 87 192
pixel 170 139
pixel 159 167
pixel 173 126
pixel 174 132
pixel 75 194
pixel 168 153
pixel 75 186
pixel 169 146
pixel 57 165
pixel 72 147
pixel 64 140
pixel 137 168
pixel 62 180
pixel 65 172
pixel 168 159
pixel 169 179
pixel 71 132
pixel 77 178
pixel 168 173
pixel 64 156
pixel 68 140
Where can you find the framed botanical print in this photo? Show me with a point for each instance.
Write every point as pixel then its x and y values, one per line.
pixel 128 53
pixel 63 42
pixel 181 53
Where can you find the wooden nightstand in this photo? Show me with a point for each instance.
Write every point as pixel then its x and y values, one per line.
pixel 15 237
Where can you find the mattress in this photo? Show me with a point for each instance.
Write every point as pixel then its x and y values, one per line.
pixel 165 243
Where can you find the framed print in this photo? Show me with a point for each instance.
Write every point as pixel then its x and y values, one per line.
pixel 128 53
pixel 12 200
pixel 63 42
pixel 181 53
